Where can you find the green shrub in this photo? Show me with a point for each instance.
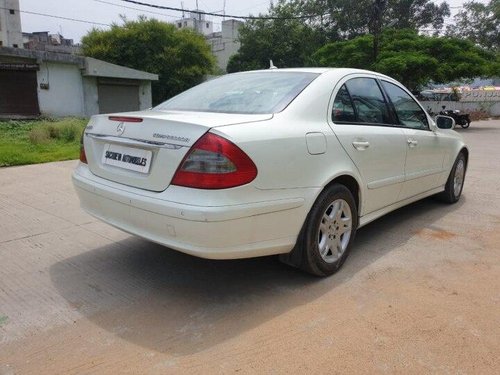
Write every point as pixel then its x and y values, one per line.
pixel 39 135
pixel 40 141
pixel 53 130
pixel 68 130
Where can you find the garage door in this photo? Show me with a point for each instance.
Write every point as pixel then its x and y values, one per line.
pixel 18 93
pixel 118 97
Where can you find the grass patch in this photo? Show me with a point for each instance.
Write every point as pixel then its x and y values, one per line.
pixel 3 320
pixel 40 141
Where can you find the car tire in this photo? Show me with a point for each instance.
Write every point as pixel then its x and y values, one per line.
pixel 455 183
pixel 328 232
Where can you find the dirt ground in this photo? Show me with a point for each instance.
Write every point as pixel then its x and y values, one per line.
pixel 420 292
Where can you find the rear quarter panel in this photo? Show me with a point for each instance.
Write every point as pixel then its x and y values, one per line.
pixel 278 148
pixel 454 143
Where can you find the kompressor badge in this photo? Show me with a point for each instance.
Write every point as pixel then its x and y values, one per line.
pixel 171 137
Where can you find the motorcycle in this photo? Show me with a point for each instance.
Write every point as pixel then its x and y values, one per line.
pixel 462 119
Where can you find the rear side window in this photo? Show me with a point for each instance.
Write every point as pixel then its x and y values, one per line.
pixel 343 110
pixel 409 113
pixel 368 101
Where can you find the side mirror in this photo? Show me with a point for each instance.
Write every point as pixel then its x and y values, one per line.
pixel 445 122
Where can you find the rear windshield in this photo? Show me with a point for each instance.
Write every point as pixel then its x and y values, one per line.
pixel 248 93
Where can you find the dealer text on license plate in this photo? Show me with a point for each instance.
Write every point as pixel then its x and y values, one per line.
pixel 131 158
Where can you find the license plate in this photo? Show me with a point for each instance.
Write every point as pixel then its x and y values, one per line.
pixel 134 159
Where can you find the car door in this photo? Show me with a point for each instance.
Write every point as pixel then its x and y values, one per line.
pixel 361 120
pixel 425 148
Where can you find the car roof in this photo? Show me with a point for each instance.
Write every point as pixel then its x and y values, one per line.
pixel 312 70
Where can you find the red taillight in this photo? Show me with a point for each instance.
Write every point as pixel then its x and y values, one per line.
pixel 214 163
pixel 83 156
pixel 125 119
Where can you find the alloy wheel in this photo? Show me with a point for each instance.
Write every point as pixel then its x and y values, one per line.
pixel 458 179
pixel 334 231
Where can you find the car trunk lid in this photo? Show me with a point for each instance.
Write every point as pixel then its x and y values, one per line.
pixel 144 149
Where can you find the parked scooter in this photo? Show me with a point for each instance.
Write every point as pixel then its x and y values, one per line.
pixel 462 119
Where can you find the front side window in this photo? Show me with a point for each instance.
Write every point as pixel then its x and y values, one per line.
pixel 245 93
pixel 409 113
pixel 368 101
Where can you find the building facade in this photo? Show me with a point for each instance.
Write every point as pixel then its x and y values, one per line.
pixel 34 83
pixel 196 21
pixel 225 43
pixel 10 24
pixel 44 41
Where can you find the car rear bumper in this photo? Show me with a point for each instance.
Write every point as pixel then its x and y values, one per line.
pixel 215 232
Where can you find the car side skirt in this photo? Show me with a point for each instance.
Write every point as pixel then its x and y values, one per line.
pixel 381 212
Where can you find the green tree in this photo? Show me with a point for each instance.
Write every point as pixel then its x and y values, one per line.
pixel 181 58
pixel 345 19
pixel 416 14
pixel 291 42
pixel 411 58
pixel 354 53
pixel 288 42
pixel 479 23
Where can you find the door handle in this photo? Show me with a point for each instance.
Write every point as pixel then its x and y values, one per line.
pixel 412 142
pixel 361 145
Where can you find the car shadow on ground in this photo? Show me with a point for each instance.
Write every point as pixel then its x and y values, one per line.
pixel 174 303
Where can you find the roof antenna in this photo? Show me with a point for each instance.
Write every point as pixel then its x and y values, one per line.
pixel 271 65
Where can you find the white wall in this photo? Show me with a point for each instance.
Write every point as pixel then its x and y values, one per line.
pixel 90 96
pixel 493 108
pixel 65 94
pixel 145 99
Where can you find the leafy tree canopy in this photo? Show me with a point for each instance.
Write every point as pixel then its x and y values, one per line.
pixel 181 58
pixel 291 42
pixel 411 58
pixel 479 23
pixel 415 14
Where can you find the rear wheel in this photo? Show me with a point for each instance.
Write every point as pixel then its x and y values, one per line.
pixel 325 239
pixel 455 183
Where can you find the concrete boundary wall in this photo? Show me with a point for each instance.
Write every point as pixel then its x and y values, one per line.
pixel 492 108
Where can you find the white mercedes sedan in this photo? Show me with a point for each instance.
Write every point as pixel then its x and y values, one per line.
pixel 279 161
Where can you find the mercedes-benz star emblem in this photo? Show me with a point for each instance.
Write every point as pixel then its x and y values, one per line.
pixel 120 128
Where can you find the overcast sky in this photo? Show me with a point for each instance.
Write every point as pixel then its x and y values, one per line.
pixel 104 12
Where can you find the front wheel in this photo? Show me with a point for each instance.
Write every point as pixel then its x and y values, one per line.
pixel 328 232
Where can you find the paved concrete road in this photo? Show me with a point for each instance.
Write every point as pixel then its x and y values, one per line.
pixel 419 294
